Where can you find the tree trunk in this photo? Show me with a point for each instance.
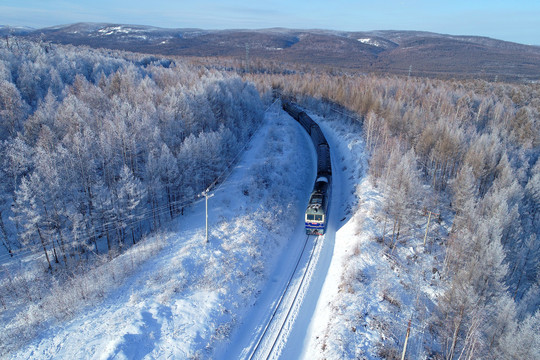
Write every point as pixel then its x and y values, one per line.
pixel 55 253
pixel 169 200
pixel 397 236
pixel 5 239
pixel 455 336
pixel 108 239
pixel 434 185
pixel 393 232
pixel 59 233
pixel 384 228
pixel 62 246
pixel 44 248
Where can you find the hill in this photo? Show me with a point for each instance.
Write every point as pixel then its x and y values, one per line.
pixel 398 52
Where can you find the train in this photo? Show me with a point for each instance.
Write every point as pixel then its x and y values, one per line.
pixel 316 215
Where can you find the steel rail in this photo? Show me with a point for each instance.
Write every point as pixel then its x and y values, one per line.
pixel 278 304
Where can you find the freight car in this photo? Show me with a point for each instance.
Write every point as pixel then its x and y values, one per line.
pixel 316 215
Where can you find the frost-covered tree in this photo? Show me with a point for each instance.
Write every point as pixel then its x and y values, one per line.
pixel 523 339
pixel 17 161
pixel 77 118
pixel 13 110
pixel 129 201
pixel 464 187
pixel 168 170
pixel 401 184
pixel 28 213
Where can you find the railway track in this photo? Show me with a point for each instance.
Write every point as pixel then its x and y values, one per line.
pixel 264 347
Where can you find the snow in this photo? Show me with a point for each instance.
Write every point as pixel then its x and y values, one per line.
pixel 370 291
pixel 370 41
pixel 114 30
pixel 310 313
pixel 257 316
pixel 197 300
pixel 314 312
pixel 189 299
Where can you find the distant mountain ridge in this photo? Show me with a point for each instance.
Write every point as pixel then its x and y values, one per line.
pixel 384 51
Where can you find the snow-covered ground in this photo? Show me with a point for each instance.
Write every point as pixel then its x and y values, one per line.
pixel 197 300
pixel 188 300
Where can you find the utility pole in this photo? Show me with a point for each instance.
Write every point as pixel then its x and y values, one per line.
pixel 247 58
pixel 8 32
pixel 206 196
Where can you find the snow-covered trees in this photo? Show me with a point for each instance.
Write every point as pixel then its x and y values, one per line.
pixel 402 186
pixel 98 149
pixel 476 147
pixel 12 110
pixel 128 204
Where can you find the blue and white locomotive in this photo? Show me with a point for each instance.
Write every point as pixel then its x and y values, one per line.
pixel 317 210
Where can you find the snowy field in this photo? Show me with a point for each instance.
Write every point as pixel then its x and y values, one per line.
pixel 189 299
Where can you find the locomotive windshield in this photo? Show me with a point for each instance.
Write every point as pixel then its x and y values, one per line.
pixel 313 217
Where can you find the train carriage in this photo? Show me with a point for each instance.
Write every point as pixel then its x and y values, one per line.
pixel 306 122
pixel 324 165
pixel 291 109
pixel 316 215
pixel 317 135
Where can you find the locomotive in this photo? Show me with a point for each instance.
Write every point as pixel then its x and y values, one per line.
pixel 316 215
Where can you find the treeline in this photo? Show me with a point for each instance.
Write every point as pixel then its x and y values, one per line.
pixel 99 147
pixel 468 150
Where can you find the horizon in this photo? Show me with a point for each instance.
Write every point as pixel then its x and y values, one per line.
pixel 497 19
pixel 255 29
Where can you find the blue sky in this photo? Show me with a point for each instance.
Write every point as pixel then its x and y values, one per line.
pixel 512 20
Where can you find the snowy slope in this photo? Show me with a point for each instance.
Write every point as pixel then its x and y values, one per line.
pixel 311 311
pixel 188 300
pixel 349 158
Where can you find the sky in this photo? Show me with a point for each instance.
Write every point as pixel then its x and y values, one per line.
pixel 511 20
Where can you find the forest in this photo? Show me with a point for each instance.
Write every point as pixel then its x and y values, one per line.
pixel 100 147
pixel 468 151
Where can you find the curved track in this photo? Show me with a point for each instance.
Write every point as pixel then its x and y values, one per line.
pixel 258 351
